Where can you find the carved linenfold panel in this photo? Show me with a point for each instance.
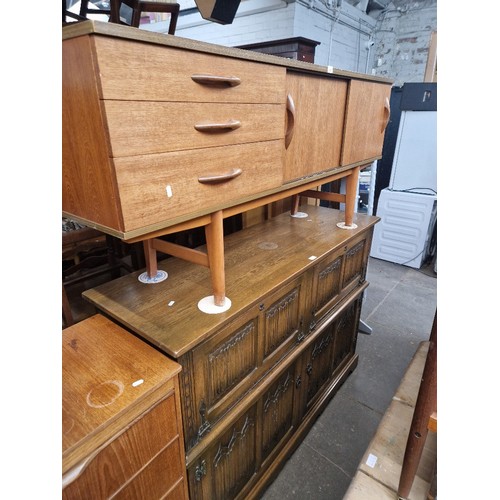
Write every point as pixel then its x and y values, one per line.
pixel 328 283
pixel 231 361
pixel 319 366
pixel 345 332
pixel 277 412
pixel 354 263
pixel 187 401
pixel 281 321
pixel 234 460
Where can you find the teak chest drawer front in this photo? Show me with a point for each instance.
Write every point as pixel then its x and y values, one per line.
pixel 132 71
pixel 318 122
pixel 120 414
pixel 145 127
pixel 155 188
pixel 368 113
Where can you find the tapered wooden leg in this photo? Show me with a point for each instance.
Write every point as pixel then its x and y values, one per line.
pixel 424 407
pixel 214 233
pixel 295 204
pixel 351 189
pixel 150 257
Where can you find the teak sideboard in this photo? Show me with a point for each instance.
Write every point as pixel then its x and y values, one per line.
pixel 162 134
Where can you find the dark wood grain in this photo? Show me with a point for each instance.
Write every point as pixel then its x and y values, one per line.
pixel 257 260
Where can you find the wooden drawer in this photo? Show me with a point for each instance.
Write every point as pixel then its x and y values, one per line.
pixel 148 72
pixel 157 127
pixel 110 467
pixel 229 364
pixel 155 188
pixel 156 480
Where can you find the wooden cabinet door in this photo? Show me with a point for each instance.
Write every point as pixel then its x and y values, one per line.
pixel 228 463
pixel 346 334
pixel 367 117
pixel 315 119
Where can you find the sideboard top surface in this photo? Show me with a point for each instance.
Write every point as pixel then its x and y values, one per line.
pixel 129 33
pixel 257 260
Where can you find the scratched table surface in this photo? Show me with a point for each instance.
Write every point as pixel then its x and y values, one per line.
pixel 109 377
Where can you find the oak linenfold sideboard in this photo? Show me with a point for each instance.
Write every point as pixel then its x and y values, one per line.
pixel 162 134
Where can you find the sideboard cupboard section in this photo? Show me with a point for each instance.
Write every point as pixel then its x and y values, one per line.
pixel 368 113
pixel 161 131
pixel 318 119
pixel 238 462
pixel 121 424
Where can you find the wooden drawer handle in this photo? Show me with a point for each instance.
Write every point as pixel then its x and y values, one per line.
pixel 214 179
pixel 387 112
pixel 290 120
pixel 218 127
pixel 226 81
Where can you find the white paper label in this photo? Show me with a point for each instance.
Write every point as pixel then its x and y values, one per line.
pixel 371 460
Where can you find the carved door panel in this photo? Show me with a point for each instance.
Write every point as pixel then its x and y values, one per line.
pixel 317 365
pixel 225 367
pixel 346 334
pixel 336 276
pixel 355 263
pixel 221 372
pixel 282 321
pixel 224 468
pixel 277 413
pixel 327 286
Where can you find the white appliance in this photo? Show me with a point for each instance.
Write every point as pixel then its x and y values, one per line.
pixel 414 167
pixel 406 232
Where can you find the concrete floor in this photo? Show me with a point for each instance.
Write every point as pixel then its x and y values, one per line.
pixel 399 306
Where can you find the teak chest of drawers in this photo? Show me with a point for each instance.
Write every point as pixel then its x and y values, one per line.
pixel 255 377
pixel 122 430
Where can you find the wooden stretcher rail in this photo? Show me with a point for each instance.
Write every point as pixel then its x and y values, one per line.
pixel 214 233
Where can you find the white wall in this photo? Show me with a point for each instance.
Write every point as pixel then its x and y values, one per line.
pixel 400 34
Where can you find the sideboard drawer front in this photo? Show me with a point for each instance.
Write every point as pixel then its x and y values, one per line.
pixel 228 463
pixel 138 127
pixel 138 71
pixel 127 454
pixel 155 188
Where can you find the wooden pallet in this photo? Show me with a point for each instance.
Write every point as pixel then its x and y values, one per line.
pixel 379 471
